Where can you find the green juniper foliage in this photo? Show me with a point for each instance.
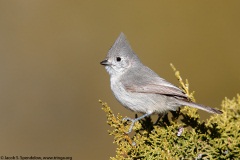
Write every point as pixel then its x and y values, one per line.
pixel 183 136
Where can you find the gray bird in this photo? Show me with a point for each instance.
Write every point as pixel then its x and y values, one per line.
pixel 139 88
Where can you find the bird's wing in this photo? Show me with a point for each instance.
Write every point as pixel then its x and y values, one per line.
pixel 156 89
pixel 150 82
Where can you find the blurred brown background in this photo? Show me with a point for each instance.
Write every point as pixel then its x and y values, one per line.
pixel 51 79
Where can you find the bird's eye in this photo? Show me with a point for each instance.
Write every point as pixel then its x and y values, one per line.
pixel 118 59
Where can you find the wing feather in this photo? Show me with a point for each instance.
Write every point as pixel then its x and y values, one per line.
pixel 149 82
pixel 156 89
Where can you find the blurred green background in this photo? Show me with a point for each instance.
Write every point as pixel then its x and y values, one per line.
pixel 51 79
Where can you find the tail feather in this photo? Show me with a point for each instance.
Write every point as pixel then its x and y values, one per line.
pixel 202 107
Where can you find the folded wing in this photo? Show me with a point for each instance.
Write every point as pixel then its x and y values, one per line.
pixel 150 82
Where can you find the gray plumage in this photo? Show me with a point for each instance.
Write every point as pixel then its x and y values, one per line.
pixel 140 89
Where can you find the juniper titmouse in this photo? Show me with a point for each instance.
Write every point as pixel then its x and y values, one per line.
pixel 140 89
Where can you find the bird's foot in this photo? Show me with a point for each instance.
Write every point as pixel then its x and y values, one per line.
pixel 132 124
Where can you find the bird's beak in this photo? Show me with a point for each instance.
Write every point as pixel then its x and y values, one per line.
pixel 105 62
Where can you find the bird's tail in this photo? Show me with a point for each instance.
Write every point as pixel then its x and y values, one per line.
pixel 202 107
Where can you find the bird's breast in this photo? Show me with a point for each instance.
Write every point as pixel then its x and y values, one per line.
pixel 138 102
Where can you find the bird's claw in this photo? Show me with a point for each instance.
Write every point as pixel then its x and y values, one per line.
pixel 132 123
pixel 127 119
